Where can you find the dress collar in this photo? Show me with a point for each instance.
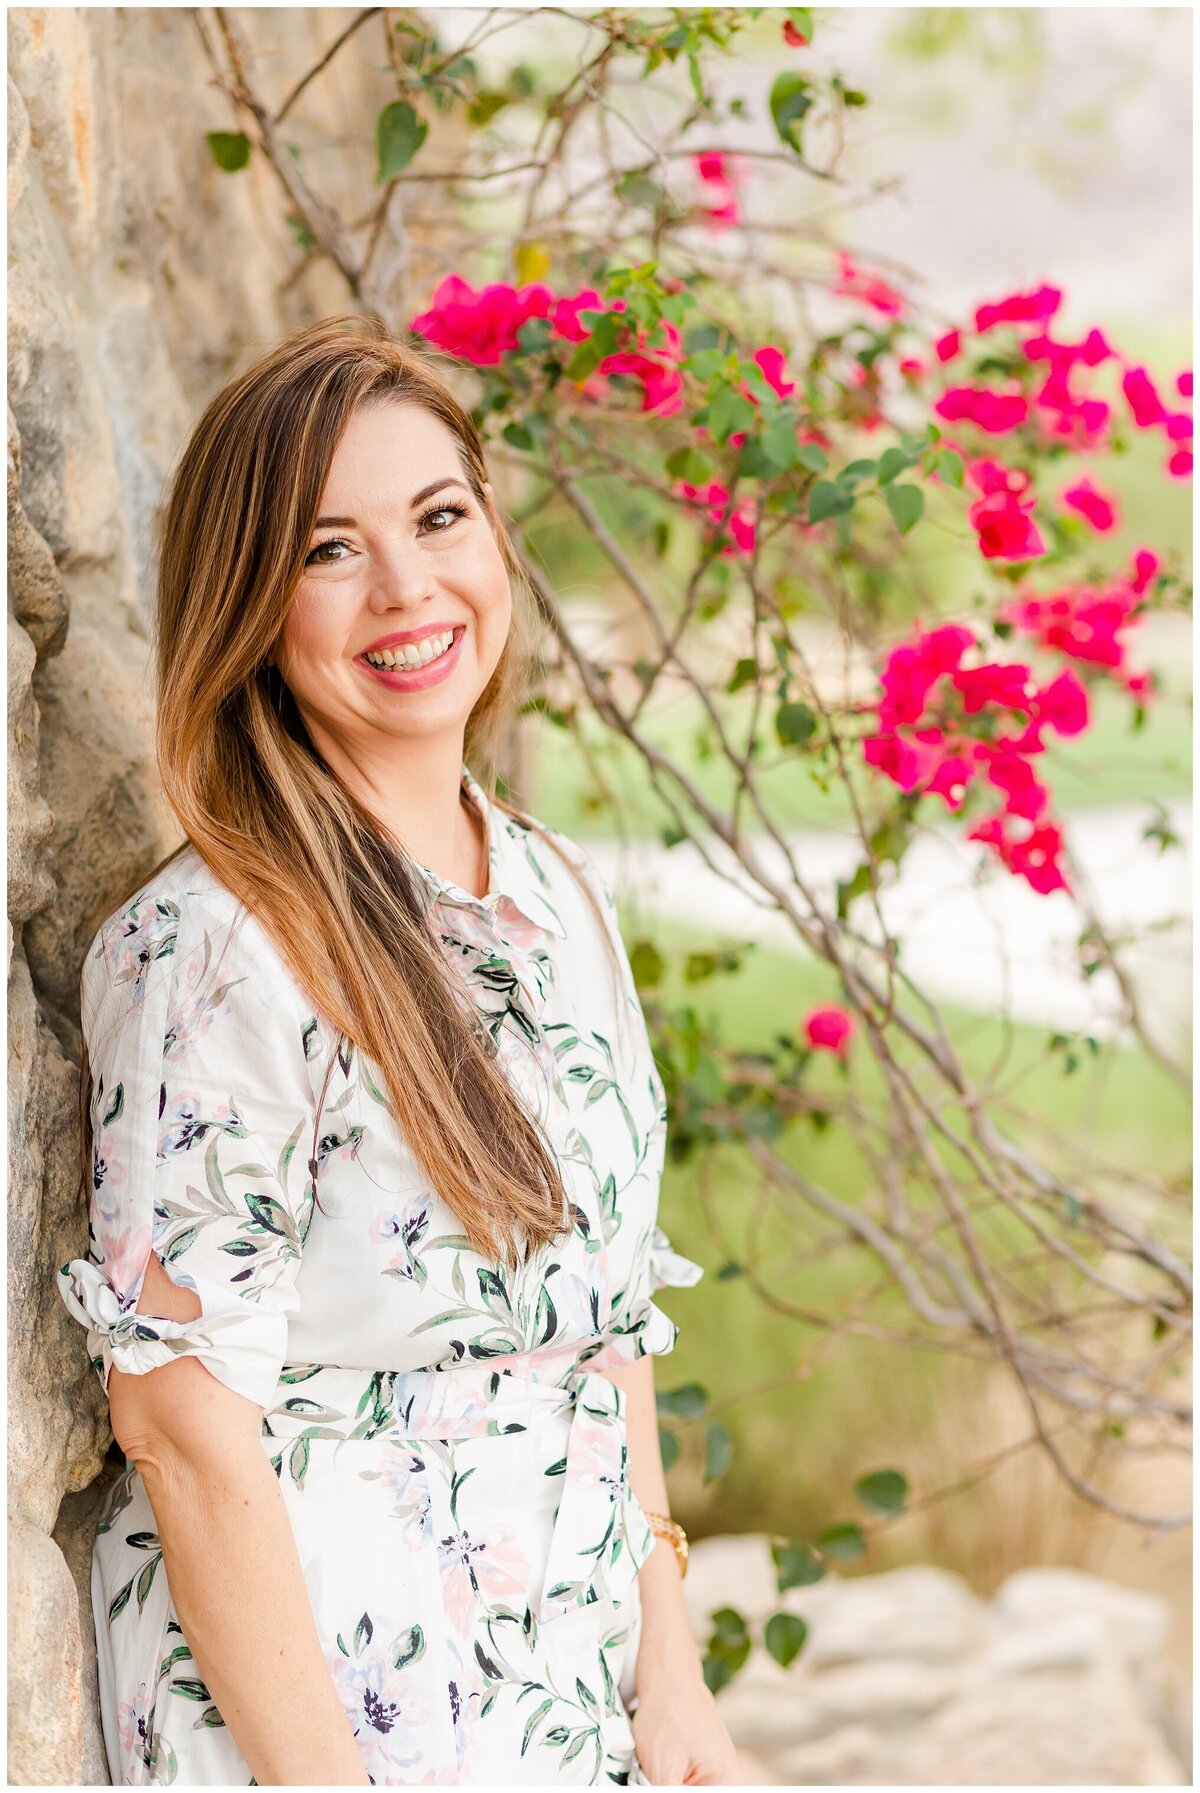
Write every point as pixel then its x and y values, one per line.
pixel 516 879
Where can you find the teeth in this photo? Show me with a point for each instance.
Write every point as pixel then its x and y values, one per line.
pixel 412 653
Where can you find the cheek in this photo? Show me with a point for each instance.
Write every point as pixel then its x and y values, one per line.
pixel 311 630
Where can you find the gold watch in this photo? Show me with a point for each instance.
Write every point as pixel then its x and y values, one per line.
pixel 663 1526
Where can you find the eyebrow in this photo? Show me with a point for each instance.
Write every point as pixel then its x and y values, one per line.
pixel 417 498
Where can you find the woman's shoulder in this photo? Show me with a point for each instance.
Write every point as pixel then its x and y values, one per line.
pixel 179 911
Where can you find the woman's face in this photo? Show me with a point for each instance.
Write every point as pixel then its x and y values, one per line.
pixel 402 553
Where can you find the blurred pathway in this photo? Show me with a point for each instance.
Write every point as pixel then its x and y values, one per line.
pixel 989 943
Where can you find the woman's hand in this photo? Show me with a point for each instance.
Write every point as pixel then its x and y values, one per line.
pixel 679 1735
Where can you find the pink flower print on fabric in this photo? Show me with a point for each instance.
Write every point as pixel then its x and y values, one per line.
pixel 478 1567
pixel 124 1254
pixel 133 1730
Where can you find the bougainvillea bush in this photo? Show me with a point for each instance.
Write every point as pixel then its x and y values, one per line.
pixel 589 255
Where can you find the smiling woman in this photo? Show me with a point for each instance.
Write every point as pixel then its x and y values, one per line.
pixel 372 1144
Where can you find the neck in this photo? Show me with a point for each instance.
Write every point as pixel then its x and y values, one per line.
pixel 414 789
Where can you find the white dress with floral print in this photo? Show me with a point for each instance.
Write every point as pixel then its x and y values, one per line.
pixel 452 1457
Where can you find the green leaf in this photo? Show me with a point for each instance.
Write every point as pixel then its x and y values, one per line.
pixel 744 673
pixel 689 465
pixel 892 462
pixel 779 443
pixel 791 97
pixel 688 1401
pixel 796 1566
pixel 845 1542
pixel 399 134
pixel 518 436
pixel 230 149
pixel 906 504
pixel 729 412
pixel 812 457
pixel 827 498
pixel 668 1444
pixel 794 724
pixel 948 465
pixel 784 1637
pixel 647 964
pixel 718 1451
pixel 883 1490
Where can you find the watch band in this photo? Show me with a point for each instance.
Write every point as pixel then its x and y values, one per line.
pixel 663 1526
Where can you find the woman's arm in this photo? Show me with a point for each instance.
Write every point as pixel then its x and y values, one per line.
pixel 666 1650
pixel 231 1562
pixel 680 1736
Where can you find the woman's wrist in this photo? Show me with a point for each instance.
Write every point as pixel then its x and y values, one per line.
pixel 666 1648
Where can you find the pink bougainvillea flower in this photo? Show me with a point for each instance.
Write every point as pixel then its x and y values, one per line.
pixel 662 384
pixel 1035 858
pixel 480 326
pixel 1010 772
pixel 792 36
pixel 1020 308
pixel 714 498
pixel 564 316
pixel 829 1029
pixel 995 412
pixel 1180 464
pixel 773 363
pixel 1143 399
pixel 857 283
pixel 911 367
pixel 1179 426
pixel 1062 704
pixel 1005 527
pixel 908 763
pixel 914 667
pixel 948 346
pixel 1007 684
pixel 1062 355
pixel 993 476
pixel 1094 505
pixel 719 173
pixel 1183 383
pixel 1145 564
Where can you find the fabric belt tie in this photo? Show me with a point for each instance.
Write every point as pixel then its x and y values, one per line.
pixel 601 1535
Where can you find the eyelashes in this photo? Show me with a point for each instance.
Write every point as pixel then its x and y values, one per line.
pixel 453 507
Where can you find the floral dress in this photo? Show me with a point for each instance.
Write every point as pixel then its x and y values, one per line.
pixel 451 1454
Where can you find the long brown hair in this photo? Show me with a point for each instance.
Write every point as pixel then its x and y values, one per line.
pixel 334 889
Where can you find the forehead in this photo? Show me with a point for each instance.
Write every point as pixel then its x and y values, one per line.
pixel 393 448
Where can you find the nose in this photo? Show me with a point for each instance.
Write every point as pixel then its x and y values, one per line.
pixel 401 576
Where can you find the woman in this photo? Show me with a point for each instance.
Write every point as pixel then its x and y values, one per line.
pixel 374 1142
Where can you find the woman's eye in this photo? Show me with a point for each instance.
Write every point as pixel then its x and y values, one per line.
pixel 443 510
pixel 333 542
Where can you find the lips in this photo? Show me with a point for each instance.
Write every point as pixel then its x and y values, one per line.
pixel 416 678
pixel 401 636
